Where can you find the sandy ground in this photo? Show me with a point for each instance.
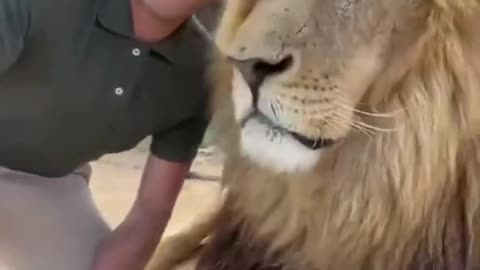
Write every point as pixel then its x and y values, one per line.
pixel 116 178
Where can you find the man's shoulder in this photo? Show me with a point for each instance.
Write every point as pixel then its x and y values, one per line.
pixel 63 12
pixel 14 11
pixel 199 39
pixel 64 5
pixel 194 47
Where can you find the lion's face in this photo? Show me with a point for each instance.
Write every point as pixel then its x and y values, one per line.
pixel 302 68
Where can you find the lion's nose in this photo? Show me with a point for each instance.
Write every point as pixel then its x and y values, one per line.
pixel 256 70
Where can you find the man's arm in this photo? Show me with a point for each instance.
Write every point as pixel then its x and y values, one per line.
pixel 14 24
pixel 132 244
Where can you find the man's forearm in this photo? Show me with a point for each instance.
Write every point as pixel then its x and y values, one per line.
pixel 132 244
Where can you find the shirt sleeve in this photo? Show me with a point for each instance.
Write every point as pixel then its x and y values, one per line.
pixel 181 143
pixel 14 24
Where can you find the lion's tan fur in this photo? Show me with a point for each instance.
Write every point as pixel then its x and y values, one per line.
pixel 378 200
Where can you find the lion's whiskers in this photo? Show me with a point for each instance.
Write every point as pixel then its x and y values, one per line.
pixel 339 95
pixel 356 123
pixel 379 115
pixel 341 100
pixel 344 122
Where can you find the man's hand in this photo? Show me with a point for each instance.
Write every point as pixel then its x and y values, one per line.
pixel 132 244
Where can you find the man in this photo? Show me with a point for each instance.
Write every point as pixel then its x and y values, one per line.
pixel 79 79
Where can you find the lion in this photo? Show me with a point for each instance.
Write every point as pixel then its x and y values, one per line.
pixel 352 138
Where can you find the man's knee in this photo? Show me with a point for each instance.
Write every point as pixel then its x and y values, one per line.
pixel 57 231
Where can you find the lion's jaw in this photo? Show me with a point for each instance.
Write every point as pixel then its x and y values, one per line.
pixel 262 142
pixel 295 90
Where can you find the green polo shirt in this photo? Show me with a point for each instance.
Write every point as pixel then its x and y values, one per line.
pixel 75 85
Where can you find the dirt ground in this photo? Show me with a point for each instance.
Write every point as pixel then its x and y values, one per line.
pixel 116 178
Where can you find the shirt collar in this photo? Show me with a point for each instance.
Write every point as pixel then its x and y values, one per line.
pixel 116 15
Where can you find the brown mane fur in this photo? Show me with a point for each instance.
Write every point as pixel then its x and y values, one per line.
pixel 408 199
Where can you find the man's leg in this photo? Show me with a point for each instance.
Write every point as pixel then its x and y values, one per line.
pixel 47 224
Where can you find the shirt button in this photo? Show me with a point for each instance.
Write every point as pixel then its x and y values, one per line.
pixel 118 91
pixel 136 52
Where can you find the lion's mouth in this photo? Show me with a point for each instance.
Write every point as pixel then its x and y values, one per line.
pixel 312 144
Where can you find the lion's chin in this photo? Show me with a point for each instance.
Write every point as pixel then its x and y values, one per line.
pixel 276 149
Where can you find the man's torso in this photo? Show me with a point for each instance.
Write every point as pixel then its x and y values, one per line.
pixel 82 87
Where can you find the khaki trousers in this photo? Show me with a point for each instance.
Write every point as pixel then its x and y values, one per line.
pixel 48 223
